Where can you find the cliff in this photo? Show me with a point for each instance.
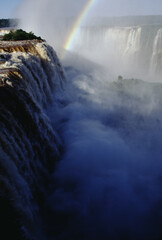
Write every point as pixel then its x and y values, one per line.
pixel 30 73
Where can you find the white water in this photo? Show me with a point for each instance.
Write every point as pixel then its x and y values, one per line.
pixel 156 59
pixel 127 51
pixel 29 146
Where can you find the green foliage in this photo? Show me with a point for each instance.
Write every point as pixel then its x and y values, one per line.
pixel 19 35
pixel 8 23
pixel 4 23
pixel 120 77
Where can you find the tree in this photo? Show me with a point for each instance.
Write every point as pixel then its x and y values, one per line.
pixel 19 35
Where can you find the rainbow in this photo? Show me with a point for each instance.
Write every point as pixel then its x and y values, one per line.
pixel 76 25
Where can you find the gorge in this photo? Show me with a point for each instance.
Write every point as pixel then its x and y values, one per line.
pixel 80 145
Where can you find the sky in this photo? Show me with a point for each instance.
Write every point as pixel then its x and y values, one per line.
pixel 102 7
pixel 8 7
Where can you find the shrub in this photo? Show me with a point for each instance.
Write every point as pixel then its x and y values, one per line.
pixel 8 22
pixel 120 77
pixel 19 35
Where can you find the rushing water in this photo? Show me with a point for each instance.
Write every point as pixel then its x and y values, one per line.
pixel 128 51
pixel 29 146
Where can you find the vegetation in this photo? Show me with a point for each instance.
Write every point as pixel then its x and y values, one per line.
pixel 8 23
pixel 120 77
pixel 19 35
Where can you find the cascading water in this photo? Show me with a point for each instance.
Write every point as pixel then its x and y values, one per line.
pixel 29 146
pixel 127 51
pixel 156 59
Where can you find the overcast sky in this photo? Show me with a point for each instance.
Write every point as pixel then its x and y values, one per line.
pixel 129 7
pixel 101 7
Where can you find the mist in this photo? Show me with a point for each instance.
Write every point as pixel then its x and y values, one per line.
pixel 107 184
pixel 127 46
pixel 52 19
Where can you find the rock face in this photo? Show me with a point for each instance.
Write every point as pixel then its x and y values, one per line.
pixel 28 46
pixel 30 73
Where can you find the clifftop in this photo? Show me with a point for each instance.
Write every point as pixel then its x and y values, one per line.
pixel 13 54
pixel 8 47
pixel 19 46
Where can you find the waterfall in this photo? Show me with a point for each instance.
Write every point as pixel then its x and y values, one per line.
pixel 84 163
pixel 129 51
pixel 29 146
pixel 156 60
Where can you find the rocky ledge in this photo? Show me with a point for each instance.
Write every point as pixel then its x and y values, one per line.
pixel 9 47
pixel 27 46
